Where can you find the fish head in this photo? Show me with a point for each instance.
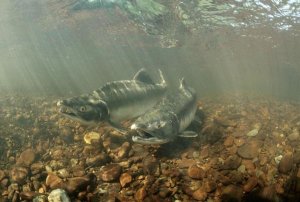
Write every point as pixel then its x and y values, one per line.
pixel 152 131
pixel 84 109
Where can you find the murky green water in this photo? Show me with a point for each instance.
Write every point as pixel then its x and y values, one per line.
pixel 224 46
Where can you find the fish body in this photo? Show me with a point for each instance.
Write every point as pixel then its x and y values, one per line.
pixel 168 119
pixel 115 101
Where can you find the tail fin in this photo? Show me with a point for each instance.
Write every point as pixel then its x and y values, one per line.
pixel 162 79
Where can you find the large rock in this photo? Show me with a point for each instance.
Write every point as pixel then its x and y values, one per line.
pixel 250 150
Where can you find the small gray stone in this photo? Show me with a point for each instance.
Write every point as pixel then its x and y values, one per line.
pixel 58 195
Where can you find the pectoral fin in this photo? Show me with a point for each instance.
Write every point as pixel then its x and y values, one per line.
pixel 188 134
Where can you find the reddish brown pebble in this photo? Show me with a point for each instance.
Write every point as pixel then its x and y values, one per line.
pixel 250 184
pixel 54 181
pixel 200 194
pixel 195 172
pixel 140 194
pixel 110 172
pixel 125 179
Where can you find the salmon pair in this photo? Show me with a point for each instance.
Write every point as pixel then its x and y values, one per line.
pixel 162 115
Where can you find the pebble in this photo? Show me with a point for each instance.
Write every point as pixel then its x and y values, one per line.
pixel 278 159
pixel 140 194
pixel 26 158
pixel 125 179
pixel 91 136
pixel 54 181
pixel 19 174
pixel 239 142
pixel 37 168
pixel 110 172
pixel 200 194
pixel 27 195
pixel 242 169
pixel 76 184
pixel 229 141
pixel 40 198
pixel 121 152
pixel 97 160
pixel 63 173
pixel 150 165
pixel 232 193
pixel 250 150
pixel 2 174
pixel 294 135
pixel 250 184
pixel 286 164
pixel 231 163
pixel 196 172
pixel 253 132
pixel 58 195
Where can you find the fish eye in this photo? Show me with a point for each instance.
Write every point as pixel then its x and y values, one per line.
pixel 82 109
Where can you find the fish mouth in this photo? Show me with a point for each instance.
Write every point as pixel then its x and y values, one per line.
pixel 145 137
pixel 65 110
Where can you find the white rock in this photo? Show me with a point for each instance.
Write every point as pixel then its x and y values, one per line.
pixel 58 195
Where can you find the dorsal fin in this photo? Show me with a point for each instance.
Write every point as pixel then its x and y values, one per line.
pixel 143 76
pixel 182 84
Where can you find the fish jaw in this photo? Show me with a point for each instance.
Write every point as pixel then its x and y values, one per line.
pixel 149 140
pixel 146 136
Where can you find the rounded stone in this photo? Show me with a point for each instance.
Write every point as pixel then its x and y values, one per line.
pixel 229 141
pixel 110 172
pixel 231 163
pixel 19 174
pixel 140 194
pixel 286 164
pixel 200 194
pixel 54 181
pixel 26 158
pixel 250 150
pixel 196 172
pixel 58 195
pixel 232 193
pixel 125 179
pixel 250 184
